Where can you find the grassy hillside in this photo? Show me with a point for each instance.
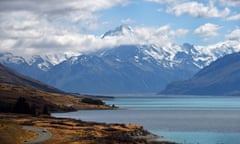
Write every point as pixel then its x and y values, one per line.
pixel 38 95
pixel 67 131
pixel 54 101
pixel 12 133
pixel 9 76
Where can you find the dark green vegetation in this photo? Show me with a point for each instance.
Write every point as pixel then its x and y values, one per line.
pixel 219 78
pixel 92 101
pixel 21 106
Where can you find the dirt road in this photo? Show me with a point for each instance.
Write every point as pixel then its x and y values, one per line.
pixel 43 134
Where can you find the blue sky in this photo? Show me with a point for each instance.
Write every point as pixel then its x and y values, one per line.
pixel 32 26
pixel 153 14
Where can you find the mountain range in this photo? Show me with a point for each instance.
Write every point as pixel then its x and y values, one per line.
pixel 219 78
pixel 130 68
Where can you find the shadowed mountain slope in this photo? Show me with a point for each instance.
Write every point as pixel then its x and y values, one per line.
pixel 11 77
pixel 219 78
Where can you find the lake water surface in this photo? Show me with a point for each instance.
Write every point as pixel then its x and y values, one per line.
pixel 207 120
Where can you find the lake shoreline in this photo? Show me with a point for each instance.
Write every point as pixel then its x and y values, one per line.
pixel 167 96
pixel 195 120
pixel 71 130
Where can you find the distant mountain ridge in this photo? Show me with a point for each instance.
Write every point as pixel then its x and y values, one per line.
pixel 219 78
pixel 125 69
pixel 135 68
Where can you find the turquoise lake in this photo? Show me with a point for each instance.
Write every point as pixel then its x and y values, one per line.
pixel 185 120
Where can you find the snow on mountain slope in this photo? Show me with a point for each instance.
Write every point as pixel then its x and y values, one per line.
pixel 118 31
pixel 43 62
pixel 168 55
pixel 135 66
pixel 10 58
pixel 208 54
pixel 221 77
pixel 124 69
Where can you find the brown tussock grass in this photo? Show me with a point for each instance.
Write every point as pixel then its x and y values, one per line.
pixel 12 133
pixel 68 131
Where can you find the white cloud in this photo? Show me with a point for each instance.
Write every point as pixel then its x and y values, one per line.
pixel 166 1
pixel 127 21
pixel 59 7
pixel 152 35
pixel 207 31
pixel 232 3
pixel 74 11
pixel 180 33
pixel 234 35
pixel 196 9
pixel 234 18
pixel 193 8
pixel 24 33
pixel 162 36
pixel 30 27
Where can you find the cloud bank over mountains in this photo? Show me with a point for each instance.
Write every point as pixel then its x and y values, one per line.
pixel 30 27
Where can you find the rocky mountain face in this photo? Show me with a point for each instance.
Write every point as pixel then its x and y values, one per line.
pixel 219 78
pixel 125 69
pixel 131 68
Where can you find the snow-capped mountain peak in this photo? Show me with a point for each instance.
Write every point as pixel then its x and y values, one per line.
pixel 118 31
pixel 42 62
pixel 53 59
pixel 135 66
pixel 10 58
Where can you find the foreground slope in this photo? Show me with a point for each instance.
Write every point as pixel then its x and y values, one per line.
pixel 11 77
pixel 14 85
pixel 70 131
pixel 219 78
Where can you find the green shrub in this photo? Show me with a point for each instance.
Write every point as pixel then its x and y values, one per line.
pixel 93 101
